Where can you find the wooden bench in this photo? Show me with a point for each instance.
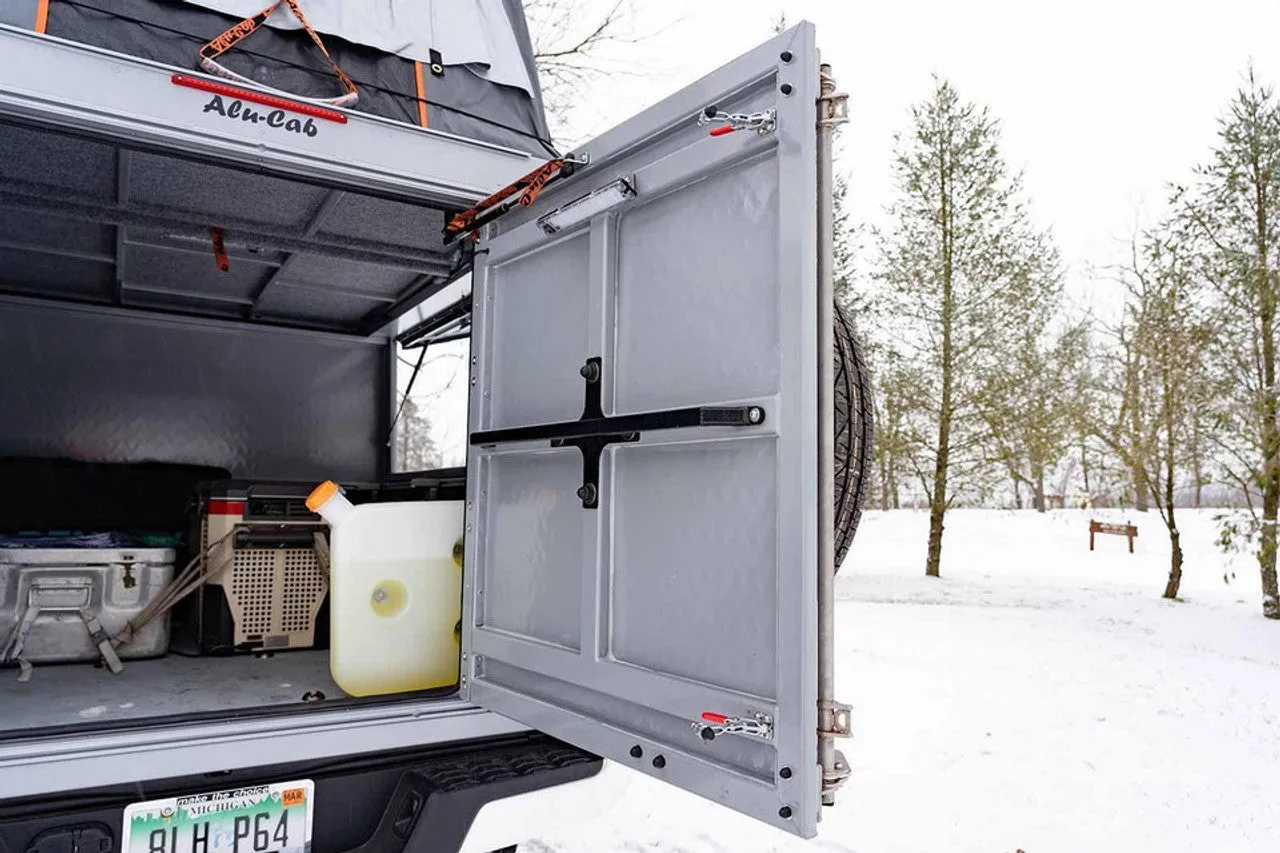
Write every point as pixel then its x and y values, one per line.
pixel 1127 530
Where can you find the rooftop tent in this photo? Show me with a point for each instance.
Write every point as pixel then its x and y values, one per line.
pixel 460 66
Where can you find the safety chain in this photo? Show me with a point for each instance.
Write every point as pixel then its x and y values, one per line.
pixel 762 122
pixel 713 725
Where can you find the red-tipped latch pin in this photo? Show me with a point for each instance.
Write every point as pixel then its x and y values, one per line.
pixel 762 122
pixel 713 725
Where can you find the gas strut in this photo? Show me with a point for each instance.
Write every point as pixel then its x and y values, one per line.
pixel 522 192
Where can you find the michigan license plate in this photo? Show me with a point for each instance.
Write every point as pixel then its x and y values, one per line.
pixel 258 819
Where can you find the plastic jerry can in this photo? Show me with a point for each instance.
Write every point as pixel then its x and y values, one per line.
pixel 395 592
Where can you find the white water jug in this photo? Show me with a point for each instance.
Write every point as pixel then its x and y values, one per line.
pixel 395 592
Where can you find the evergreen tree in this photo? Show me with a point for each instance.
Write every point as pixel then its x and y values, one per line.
pixel 954 269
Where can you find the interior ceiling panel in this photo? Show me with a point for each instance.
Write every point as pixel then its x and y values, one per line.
pixel 313 304
pixel 87 221
pixel 190 272
pixel 251 252
pixel 88 168
pixel 217 192
pixel 389 221
pixel 86 239
pixel 362 278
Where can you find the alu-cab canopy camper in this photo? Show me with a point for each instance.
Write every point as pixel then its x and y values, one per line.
pixel 213 227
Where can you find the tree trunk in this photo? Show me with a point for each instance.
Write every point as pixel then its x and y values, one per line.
pixel 1040 507
pixel 1270 408
pixel 1270 478
pixel 937 516
pixel 1139 491
pixel 938 501
pixel 1170 473
pixel 1017 493
pixel 1175 559
pixel 884 481
pixel 1133 392
pixel 1084 469
pixel 1197 463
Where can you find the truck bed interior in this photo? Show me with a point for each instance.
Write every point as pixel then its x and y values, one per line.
pixel 180 312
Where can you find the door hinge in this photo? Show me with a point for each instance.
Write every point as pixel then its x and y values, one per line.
pixel 833 106
pixel 713 725
pixel 833 779
pixel 837 716
pixel 834 722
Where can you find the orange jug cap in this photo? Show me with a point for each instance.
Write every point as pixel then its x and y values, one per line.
pixel 320 495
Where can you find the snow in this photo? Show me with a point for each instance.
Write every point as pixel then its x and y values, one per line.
pixel 1036 697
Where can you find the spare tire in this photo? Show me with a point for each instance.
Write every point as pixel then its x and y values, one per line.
pixel 854 429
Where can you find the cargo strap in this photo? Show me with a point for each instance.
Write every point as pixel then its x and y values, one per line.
pixel 321 547
pixel 237 33
pixel 13 647
pixel 103 642
pixel 525 190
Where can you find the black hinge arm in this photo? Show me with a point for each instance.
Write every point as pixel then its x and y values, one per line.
pixel 694 416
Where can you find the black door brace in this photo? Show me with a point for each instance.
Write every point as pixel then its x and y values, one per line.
pixel 593 432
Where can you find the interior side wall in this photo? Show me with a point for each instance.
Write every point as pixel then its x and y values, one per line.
pixel 102 385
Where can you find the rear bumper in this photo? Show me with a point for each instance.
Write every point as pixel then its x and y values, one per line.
pixel 420 801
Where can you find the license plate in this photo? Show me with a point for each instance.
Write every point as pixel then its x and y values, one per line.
pixel 256 819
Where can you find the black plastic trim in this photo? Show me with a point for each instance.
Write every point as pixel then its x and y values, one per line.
pixel 419 801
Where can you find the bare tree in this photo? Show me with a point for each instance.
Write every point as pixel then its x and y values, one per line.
pixel 1234 210
pixel 1160 384
pixel 895 396
pixel 416 450
pixel 1029 404
pixel 574 45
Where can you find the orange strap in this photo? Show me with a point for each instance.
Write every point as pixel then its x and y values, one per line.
pixel 422 94
pixel 529 186
pixel 238 32
pixel 220 249
pixel 42 16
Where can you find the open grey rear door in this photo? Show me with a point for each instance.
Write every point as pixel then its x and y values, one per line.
pixel 642 517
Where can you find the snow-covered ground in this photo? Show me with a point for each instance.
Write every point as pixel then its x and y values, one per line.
pixel 1037 697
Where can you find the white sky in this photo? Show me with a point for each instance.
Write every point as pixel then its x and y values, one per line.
pixel 1103 102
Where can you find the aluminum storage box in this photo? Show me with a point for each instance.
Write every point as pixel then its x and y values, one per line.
pixel 112 584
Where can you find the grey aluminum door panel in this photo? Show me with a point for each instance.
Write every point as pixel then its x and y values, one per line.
pixel 692 587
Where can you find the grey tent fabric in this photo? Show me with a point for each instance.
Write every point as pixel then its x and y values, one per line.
pixel 460 101
pixel 466 32
pixel 19 13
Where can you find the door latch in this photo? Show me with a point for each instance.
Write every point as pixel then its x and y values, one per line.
pixel 713 725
